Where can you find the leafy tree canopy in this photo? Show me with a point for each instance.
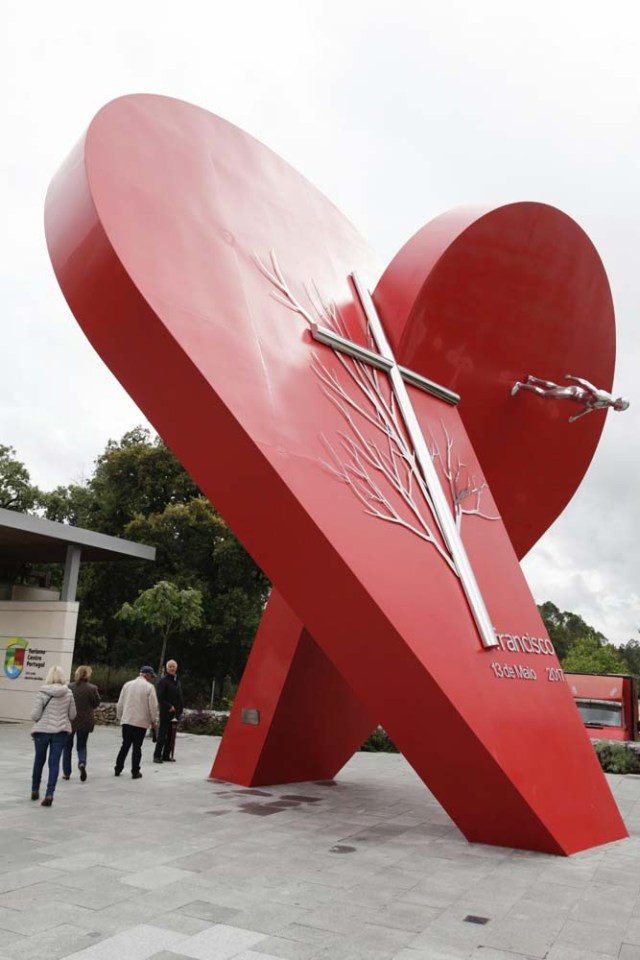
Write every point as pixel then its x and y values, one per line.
pixel 588 655
pixel 137 476
pixel 139 491
pixel 630 653
pixel 195 547
pixel 16 490
pixel 72 504
pixel 165 609
pixel 582 649
pixel 565 629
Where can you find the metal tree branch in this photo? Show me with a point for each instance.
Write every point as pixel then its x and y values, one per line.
pixel 374 471
pixel 462 485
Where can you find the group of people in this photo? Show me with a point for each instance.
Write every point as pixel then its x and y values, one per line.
pixel 64 715
pixel 139 705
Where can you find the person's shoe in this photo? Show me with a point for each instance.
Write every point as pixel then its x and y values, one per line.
pixel 158 760
pixel 515 388
pixel 136 775
pixel 66 776
pixel 117 772
pixel 35 795
pixel 47 802
pixel 83 771
pixel 168 760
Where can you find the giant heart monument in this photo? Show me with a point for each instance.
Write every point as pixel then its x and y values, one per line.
pixel 357 429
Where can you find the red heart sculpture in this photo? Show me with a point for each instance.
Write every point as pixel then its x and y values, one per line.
pixel 159 228
pixel 477 300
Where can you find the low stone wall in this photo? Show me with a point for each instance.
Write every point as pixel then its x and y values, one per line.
pixel 105 714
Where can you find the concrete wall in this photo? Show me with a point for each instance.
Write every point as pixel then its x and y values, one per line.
pixel 44 633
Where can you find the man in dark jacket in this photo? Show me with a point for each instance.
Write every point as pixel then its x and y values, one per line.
pixel 170 702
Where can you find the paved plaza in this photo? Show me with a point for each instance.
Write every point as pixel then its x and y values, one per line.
pixel 367 868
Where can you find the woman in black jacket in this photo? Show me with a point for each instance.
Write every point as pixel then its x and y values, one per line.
pixel 87 699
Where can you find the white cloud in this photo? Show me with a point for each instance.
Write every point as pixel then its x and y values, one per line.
pixel 397 113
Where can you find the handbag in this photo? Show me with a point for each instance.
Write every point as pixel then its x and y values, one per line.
pixel 49 699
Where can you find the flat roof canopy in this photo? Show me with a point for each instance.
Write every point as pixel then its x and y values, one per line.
pixel 24 538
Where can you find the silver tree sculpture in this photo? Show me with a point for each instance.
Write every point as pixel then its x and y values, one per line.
pixel 379 468
pixel 462 484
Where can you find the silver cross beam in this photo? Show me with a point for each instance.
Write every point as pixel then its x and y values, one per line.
pixel 385 360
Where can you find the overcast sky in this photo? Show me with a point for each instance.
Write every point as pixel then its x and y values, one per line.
pixel 398 112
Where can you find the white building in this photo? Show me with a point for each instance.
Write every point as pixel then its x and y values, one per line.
pixel 38 626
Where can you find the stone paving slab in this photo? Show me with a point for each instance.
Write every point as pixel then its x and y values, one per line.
pixel 368 867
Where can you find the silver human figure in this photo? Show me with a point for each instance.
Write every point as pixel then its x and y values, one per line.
pixel 580 391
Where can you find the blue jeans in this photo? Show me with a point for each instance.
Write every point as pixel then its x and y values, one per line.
pixel 54 744
pixel 81 737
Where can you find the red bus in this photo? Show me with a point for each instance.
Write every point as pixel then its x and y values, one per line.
pixel 608 704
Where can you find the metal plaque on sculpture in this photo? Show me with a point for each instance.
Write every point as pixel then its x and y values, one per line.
pixel 250 716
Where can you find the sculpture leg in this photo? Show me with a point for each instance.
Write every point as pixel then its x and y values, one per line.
pixel 541 391
pixel 310 722
pixel 548 384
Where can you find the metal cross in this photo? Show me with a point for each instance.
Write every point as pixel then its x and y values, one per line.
pixel 385 360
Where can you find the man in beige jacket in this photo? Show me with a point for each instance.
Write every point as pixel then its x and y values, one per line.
pixel 137 710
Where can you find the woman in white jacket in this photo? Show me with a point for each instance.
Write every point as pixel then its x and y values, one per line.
pixel 54 710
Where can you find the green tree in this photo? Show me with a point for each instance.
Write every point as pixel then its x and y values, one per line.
pixel 166 610
pixel 74 504
pixel 140 491
pixel 565 629
pixel 16 490
pixel 195 547
pixel 589 655
pixel 133 478
pixel 630 653
pixel 137 476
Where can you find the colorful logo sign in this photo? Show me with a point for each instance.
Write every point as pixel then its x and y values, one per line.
pixel 14 657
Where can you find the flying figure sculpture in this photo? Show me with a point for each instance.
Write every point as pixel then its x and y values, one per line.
pixel 580 391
